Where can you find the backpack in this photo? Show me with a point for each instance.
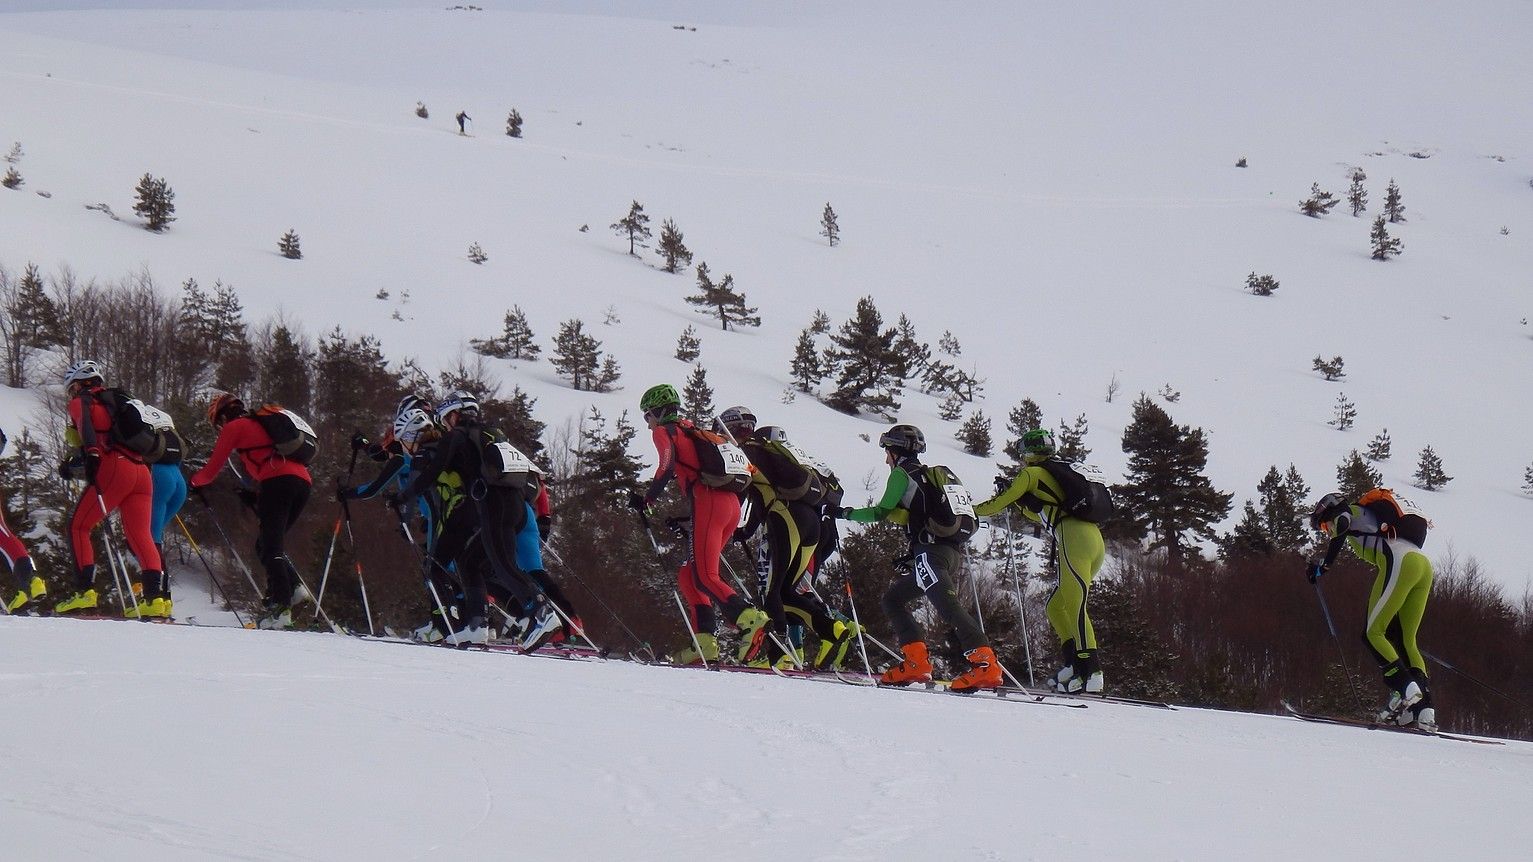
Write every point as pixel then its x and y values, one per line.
pixel 720 463
pixel 949 508
pixel 1086 495
pixel 504 465
pixel 812 483
pixel 133 424
pixel 291 438
pixel 1398 517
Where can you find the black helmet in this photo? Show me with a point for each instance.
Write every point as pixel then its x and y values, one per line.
pixel 1327 508
pixel 906 439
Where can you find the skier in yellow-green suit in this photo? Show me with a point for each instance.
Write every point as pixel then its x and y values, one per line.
pixel 1079 556
pixel 1396 604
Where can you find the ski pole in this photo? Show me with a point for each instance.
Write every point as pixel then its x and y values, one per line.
pixel 351 538
pixel 1357 690
pixel 549 549
pixel 119 566
pixel 211 577
pixel 687 622
pixel 867 666
pixel 441 608
pixel 324 577
pixel 1011 569
pixel 1487 686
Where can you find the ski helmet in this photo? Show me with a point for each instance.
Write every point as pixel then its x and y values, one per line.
pixel 223 407
pixel 411 424
pixel 734 416
pixel 771 434
pixel 906 439
pixel 413 401
pixel 660 402
pixel 1038 446
pixel 85 369
pixel 461 400
pixel 1326 508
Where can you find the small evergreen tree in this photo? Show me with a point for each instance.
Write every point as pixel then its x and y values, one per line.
pixel 13 157
pixel 606 469
pixel 1357 196
pixel 828 227
pixel 30 322
pixel 807 369
pixel 1429 471
pixel 1346 414
pixel 1527 480
pixel 1283 508
pixel 916 352
pixel 950 408
pixel 820 325
pixel 974 434
pixel 420 111
pixel 286 369
pixel 1354 476
pixel 514 342
pixel 1378 447
pixel 635 226
pixel 1331 369
pixel 688 345
pixel 870 373
pixel 288 246
pixel 1383 244
pixel 520 426
pixel 671 247
pixel 12 179
pixel 155 202
pixel 1393 209
pixel 697 397
pixel 1165 493
pixel 576 355
pixel 476 253
pixel 608 376
pixel 1261 285
pixel 948 344
pixel 722 300
pixel 1248 539
pixel 1023 418
pixel 514 124
pixel 1318 203
pixel 1072 440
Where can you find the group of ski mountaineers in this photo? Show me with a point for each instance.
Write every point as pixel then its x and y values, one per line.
pixel 484 514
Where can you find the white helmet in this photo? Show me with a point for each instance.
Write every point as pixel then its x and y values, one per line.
pixel 411 424
pixel 460 400
pixel 85 369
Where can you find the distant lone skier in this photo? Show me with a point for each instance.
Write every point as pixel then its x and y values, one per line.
pixel 462 119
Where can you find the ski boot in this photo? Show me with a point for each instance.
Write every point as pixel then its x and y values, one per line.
pixel 33 591
pixel 984 673
pixel 917 666
pixel 82 600
pixel 690 655
pixel 752 622
pixel 833 651
pixel 473 632
pixel 275 617
pixel 545 621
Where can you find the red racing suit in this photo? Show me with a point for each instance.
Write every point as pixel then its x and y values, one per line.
pixel 123 484
pixel 715 515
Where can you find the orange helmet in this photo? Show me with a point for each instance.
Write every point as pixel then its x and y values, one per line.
pixel 221 406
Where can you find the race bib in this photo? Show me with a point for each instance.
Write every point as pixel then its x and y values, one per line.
pixel 958 500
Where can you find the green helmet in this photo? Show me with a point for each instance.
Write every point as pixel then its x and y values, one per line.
pixel 1038 445
pixel 661 402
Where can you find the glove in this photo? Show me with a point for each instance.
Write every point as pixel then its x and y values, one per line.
pixel 67 469
pixel 636 501
pixel 92 467
pixel 358 441
pixel 1001 484
pixel 679 525
pixel 836 513
pixel 1315 570
pixel 545 527
pixel 247 497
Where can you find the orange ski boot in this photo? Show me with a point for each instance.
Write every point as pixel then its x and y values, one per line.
pixel 916 667
pixel 985 673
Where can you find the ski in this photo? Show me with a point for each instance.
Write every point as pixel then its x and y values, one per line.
pixel 1374 725
pixel 941 687
pixel 1083 696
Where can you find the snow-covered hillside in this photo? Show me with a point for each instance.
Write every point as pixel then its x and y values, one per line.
pixel 1055 185
pixel 157 742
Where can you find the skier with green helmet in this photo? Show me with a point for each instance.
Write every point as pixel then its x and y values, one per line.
pixel 1079 554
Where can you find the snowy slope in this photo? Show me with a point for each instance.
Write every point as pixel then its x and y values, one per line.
pixel 1054 185
pixel 156 742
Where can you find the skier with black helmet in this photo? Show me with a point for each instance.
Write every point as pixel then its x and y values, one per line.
pixel 912 498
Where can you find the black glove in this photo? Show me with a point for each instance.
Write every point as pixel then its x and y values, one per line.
pixel 836 513
pixel 247 497
pixel 358 441
pixel 1315 570
pixel 679 525
pixel 545 527
pixel 67 469
pixel 92 467
pixel 1001 484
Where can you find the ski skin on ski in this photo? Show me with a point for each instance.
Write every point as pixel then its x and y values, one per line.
pixel 1374 725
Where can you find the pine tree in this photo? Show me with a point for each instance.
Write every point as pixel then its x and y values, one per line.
pixel 1318 203
pixel 1165 493
pixel 13 156
pixel 1354 476
pixel 1429 471
pixel 820 325
pixel 1378 447
pixel 514 342
pixel 576 355
pixel 1261 285
pixel 950 408
pixel 1383 244
pixel 1393 209
pixel 1140 656
pixel 916 352
pixel 606 469
pixel 1249 538
pixel 635 226
pixel 671 247
pixel 520 426
pixel 514 124
pixel 870 373
pixel 1527 480
pixel 420 111
pixel 1283 508
pixel 155 202
pixel 1357 196
pixel 30 322
pixel 1023 418
pixel 1072 440
pixel 609 375
pixel 688 345
pixel 975 434
pixel 286 371
pixel 807 370
pixel 1330 369
pixel 235 354
pixel 12 178
pixel 288 247
pixel 352 384
pixel 476 253
pixel 948 344
pixel 828 227
pixel 1346 414
pixel 697 397
pixel 722 300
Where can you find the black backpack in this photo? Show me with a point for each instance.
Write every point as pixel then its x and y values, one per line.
pixel 291 438
pixel 1398 517
pixel 947 506
pixel 808 482
pixel 1086 495
pixel 504 465
pixel 132 424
